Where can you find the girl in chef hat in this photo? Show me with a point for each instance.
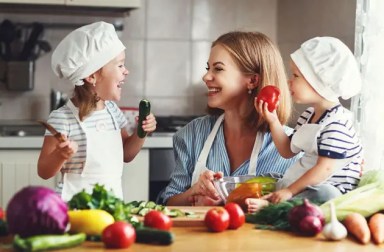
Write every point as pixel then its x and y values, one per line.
pixel 323 69
pixel 92 59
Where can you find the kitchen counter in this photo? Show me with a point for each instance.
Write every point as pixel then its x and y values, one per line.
pixel 158 140
pixel 247 238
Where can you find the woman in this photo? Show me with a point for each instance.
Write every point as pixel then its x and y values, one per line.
pixel 233 139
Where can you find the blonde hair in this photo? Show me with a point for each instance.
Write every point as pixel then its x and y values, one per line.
pixel 255 53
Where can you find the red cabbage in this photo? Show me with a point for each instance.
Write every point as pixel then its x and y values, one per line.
pixel 36 210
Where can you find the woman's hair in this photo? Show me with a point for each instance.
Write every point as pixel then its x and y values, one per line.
pixel 255 53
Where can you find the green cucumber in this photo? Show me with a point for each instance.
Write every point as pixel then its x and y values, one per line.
pixel 144 111
pixel 153 236
pixel 47 242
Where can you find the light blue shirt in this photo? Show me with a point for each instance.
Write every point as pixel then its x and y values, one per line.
pixel 189 141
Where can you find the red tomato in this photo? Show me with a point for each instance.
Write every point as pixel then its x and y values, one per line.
pixel 2 214
pixel 217 219
pixel 118 235
pixel 236 215
pixel 269 94
pixel 157 219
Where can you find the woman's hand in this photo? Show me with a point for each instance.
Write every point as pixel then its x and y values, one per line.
pixel 262 109
pixel 149 124
pixel 201 200
pixel 204 186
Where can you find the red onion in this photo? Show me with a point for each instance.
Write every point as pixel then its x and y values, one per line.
pixel 298 213
pixel 310 225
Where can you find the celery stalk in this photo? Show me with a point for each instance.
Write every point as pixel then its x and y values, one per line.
pixel 365 200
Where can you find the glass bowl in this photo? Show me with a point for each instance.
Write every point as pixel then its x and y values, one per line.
pixel 237 189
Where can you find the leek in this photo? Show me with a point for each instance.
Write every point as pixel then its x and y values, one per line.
pixel 366 200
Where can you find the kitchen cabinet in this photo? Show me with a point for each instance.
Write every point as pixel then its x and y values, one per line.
pixel 88 3
pixel 18 168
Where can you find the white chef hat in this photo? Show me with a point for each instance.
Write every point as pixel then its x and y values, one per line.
pixel 85 50
pixel 329 67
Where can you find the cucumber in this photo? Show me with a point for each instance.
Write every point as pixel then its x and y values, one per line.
pixel 144 111
pixel 154 236
pixel 47 242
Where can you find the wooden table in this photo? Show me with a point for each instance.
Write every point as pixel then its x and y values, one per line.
pixel 244 239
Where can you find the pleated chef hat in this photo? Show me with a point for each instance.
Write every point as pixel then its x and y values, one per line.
pixel 84 51
pixel 329 66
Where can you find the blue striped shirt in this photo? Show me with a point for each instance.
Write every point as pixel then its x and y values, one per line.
pixel 338 140
pixel 188 142
pixel 64 121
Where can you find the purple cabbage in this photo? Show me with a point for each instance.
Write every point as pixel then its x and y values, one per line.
pixel 36 210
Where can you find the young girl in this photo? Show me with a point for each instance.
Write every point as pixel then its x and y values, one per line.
pixel 323 69
pixel 97 143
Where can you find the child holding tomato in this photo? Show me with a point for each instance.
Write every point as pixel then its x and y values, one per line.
pixel 323 69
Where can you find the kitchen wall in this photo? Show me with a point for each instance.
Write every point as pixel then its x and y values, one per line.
pixel 168 43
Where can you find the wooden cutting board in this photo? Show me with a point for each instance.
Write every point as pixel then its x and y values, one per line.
pixel 197 219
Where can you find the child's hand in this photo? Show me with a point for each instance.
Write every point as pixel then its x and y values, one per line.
pixel 149 124
pixel 262 109
pixel 254 205
pixel 278 196
pixel 67 149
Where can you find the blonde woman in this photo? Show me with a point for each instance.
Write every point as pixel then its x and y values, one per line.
pixel 232 139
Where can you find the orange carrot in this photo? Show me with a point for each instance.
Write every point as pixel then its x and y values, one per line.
pixel 376 225
pixel 357 225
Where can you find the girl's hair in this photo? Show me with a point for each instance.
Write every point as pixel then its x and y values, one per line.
pixel 85 98
pixel 255 53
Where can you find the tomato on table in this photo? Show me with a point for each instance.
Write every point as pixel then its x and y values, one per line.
pixel 217 219
pixel 157 219
pixel 269 94
pixel 236 215
pixel 118 235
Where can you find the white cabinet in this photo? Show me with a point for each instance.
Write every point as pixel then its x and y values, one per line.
pixel 18 168
pixel 104 3
pixel 47 2
pixel 88 3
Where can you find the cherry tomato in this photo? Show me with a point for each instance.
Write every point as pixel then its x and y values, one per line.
pixel 118 235
pixel 2 214
pixel 217 219
pixel 269 94
pixel 236 215
pixel 157 219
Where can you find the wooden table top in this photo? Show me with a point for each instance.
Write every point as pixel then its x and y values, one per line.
pixel 247 238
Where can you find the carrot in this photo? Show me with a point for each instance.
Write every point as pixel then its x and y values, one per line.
pixel 376 225
pixel 357 225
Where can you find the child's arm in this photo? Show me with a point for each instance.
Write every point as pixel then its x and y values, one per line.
pixel 323 169
pixel 132 144
pixel 279 137
pixel 53 155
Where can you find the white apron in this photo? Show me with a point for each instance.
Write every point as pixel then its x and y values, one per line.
pixel 304 139
pixel 104 160
pixel 201 163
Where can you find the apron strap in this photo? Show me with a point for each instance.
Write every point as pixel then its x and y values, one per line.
pixel 255 153
pixel 208 143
